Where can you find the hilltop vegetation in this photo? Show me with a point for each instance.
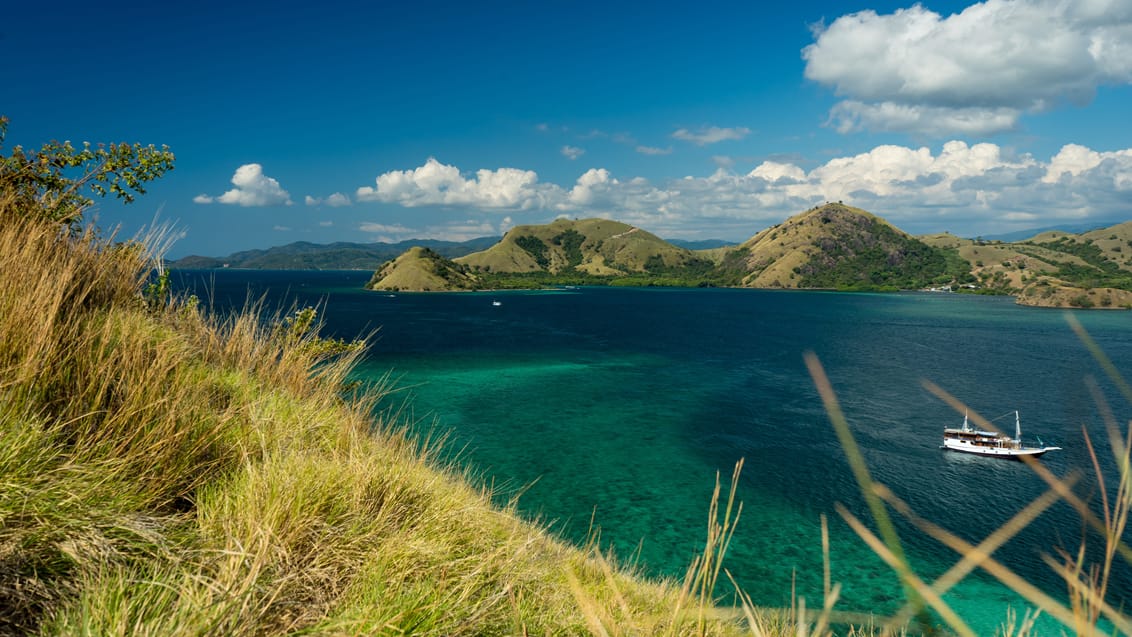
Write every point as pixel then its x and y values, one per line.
pixel 168 474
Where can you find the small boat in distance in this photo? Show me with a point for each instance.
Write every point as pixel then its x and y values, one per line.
pixel 991 443
pixel 497 303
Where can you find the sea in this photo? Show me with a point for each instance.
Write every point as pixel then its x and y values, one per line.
pixel 612 412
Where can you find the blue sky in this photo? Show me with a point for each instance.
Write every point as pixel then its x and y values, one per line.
pixel 367 121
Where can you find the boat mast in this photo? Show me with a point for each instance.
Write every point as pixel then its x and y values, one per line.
pixel 1017 427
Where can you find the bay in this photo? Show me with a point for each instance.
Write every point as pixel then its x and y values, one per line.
pixel 616 408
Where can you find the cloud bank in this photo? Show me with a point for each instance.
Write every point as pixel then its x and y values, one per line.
pixel 969 189
pixel 976 72
pixel 252 188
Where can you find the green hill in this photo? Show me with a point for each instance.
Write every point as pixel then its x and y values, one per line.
pixel 840 247
pixel 422 270
pixel 597 247
pixel 565 252
pixel 1093 269
pixel 1053 268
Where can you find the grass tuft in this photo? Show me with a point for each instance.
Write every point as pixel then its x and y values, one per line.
pixel 166 472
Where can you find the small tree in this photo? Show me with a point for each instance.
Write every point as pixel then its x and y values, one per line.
pixel 57 180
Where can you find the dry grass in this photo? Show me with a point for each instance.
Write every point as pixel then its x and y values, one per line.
pixel 162 472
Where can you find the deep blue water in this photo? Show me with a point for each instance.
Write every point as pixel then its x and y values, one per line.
pixel 619 406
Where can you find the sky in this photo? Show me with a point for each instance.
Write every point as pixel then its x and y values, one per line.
pixel 377 121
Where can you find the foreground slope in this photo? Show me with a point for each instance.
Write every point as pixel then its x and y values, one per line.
pixel 167 474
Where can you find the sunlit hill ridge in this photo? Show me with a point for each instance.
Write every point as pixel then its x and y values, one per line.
pixel 828 247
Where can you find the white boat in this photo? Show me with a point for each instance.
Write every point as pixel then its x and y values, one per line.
pixel 497 303
pixel 967 439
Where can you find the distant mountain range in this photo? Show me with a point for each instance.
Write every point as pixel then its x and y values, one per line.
pixel 303 255
pixel 1072 228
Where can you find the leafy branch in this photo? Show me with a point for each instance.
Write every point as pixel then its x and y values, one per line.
pixel 58 180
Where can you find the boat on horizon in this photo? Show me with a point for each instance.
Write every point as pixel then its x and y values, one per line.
pixel 967 439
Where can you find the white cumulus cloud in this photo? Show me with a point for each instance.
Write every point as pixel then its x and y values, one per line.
pixel 974 72
pixel 592 184
pixel 435 183
pixel 252 188
pixel 1074 160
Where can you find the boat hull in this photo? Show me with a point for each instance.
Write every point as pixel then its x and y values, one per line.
pixel 997 452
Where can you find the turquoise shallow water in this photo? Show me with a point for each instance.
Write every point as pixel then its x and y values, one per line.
pixel 619 406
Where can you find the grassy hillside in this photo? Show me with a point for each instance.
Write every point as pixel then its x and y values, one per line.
pixel 1054 269
pixel 167 474
pixel 422 270
pixel 565 252
pixel 837 246
pixel 596 247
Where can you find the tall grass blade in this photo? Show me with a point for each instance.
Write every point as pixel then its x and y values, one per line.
pixel 864 479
